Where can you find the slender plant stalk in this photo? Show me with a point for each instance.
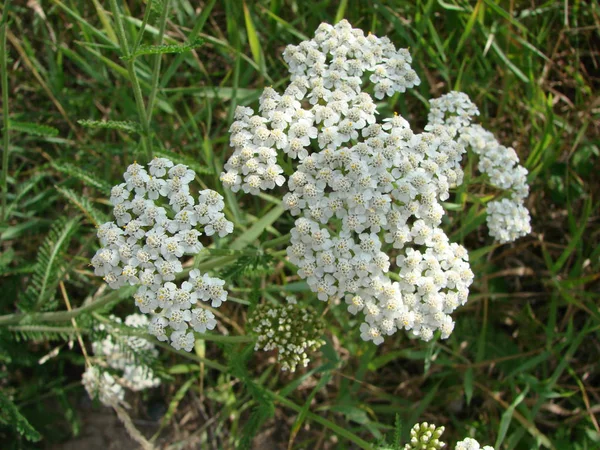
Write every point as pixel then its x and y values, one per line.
pixel 5 136
pixel 62 316
pixel 137 91
pixel 157 62
pixel 140 35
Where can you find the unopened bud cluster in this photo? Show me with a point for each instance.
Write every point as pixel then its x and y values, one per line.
pixel 369 199
pixel 290 329
pixel 158 221
pixel 507 218
pixel 425 436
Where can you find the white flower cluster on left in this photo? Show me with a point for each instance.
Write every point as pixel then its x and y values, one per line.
pixel 158 221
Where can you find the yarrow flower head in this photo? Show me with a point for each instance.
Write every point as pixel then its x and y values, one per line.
pixel 471 444
pixel 157 222
pixel 125 354
pixel 291 329
pixel 507 219
pixel 103 386
pixel 367 195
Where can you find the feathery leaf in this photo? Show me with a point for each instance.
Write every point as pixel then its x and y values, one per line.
pixel 34 129
pixel 48 269
pixel 10 415
pixel 88 178
pixel 95 216
pixel 121 125
pixel 164 48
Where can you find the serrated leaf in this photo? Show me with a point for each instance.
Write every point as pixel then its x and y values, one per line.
pixel 164 49
pixel 50 259
pixel 249 266
pixel 88 178
pixel 125 126
pixel 34 129
pixel 10 415
pixel 84 205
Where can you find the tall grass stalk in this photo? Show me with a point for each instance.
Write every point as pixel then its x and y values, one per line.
pixel 157 61
pixel 5 136
pixel 137 91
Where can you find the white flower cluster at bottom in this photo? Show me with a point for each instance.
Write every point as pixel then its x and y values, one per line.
pixel 471 444
pixel 121 353
pixel 102 385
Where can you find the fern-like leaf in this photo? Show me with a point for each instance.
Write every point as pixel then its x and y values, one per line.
pixel 34 129
pixel 156 9
pixel 165 48
pixel 125 126
pixel 48 268
pixel 88 178
pixel 248 266
pixel 10 416
pixel 95 216
pixel 41 333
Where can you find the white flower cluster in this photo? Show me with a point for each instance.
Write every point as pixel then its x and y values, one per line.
pixel 122 353
pixel 471 444
pixel 290 329
pixel 370 187
pixel 102 385
pixel 325 72
pixel 157 222
pixel 508 219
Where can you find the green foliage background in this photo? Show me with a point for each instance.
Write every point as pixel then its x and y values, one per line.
pixel 521 368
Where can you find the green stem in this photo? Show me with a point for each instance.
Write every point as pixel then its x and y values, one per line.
pixel 157 62
pixel 60 316
pixel 140 35
pixel 5 137
pixel 137 91
pixel 46 329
